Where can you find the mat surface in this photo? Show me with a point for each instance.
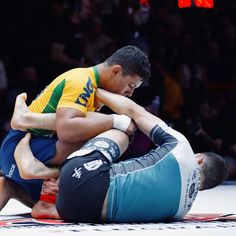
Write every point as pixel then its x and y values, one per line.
pixel 213 213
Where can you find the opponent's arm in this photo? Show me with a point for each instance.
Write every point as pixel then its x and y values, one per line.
pixel 123 105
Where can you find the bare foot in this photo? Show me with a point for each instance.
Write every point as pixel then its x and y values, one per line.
pixel 23 156
pixel 29 166
pixel 20 109
pixel 45 210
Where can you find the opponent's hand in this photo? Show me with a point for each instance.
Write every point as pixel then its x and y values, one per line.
pixel 131 129
pixel 50 186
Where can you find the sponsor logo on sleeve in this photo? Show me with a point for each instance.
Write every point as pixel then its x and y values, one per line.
pixel 84 96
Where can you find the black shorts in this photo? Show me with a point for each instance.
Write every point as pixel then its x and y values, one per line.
pixel 83 186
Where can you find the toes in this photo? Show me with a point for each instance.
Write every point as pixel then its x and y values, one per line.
pixel 27 137
pixel 23 96
pixel 25 140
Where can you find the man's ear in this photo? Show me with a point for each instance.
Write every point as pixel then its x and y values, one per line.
pixel 116 69
pixel 200 159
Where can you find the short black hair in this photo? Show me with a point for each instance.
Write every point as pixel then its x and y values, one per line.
pixel 215 170
pixel 132 60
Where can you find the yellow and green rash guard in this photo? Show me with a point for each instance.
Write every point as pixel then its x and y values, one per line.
pixel 72 89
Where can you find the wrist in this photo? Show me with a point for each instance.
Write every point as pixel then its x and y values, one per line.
pixel 121 122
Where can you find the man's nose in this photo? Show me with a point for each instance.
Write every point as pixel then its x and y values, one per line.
pixel 128 94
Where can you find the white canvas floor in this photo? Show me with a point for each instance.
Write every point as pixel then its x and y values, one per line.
pixel 221 199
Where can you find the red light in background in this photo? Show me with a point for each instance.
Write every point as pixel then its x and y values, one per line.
pixel 184 3
pixel 144 2
pixel 204 3
pixel 197 3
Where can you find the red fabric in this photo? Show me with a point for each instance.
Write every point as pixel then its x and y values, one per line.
pixel 48 198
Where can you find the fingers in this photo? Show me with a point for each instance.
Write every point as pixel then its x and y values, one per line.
pixel 50 191
pixel 131 129
pixel 50 187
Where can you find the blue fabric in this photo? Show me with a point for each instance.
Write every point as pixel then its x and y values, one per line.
pixel 42 148
pixel 146 194
pixel 146 188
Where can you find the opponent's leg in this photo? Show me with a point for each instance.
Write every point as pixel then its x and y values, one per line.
pixel 30 167
pixel 22 118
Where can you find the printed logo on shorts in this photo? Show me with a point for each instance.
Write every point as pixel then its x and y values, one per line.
pixel 77 173
pixel 93 165
pixel 13 166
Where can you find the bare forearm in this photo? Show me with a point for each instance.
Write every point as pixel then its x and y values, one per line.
pixel 80 129
pixel 123 105
pixel 118 103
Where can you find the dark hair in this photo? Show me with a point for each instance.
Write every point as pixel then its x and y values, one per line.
pixel 215 170
pixel 132 60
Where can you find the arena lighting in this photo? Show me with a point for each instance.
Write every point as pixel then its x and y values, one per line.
pixel 204 3
pixel 196 3
pixel 184 3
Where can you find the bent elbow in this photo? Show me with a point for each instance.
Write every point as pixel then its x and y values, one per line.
pixel 63 137
pixel 70 134
pixel 136 110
